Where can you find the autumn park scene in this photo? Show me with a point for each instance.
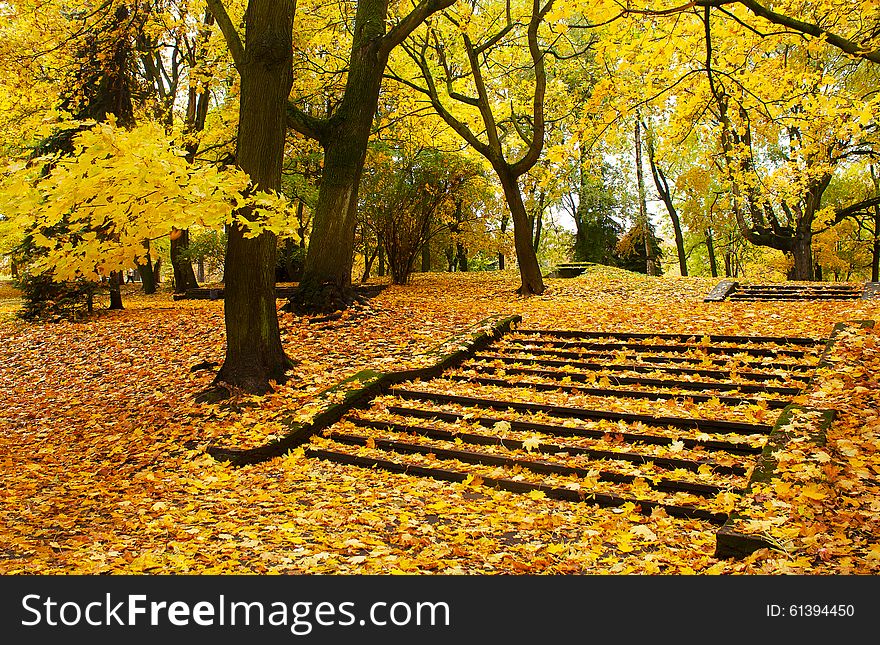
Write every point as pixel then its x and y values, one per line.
pixel 440 287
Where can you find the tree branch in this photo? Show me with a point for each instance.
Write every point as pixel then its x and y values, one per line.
pixel 399 32
pixel 811 29
pixel 233 39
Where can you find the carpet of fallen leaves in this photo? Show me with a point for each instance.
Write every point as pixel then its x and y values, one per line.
pixel 105 471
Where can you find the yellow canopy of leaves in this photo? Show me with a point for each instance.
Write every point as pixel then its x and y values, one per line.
pixel 93 211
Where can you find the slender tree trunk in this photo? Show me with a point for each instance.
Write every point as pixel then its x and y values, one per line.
pixel 875 247
pixel 539 227
pixel 710 247
pixel 532 283
pixel 200 264
pixel 254 354
pixel 651 260
pixel 661 183
pixel 369 258
pixel 504 222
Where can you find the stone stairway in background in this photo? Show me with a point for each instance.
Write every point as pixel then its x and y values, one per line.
pixel 732 290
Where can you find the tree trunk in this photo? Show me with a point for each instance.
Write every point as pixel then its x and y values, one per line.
pixel 710 247
pixel 200 264
pixel 116 289
pixel 157 271
pixel 254 354
pixel 426 257
pixel 661 183
pixel 148 278
pixel 875 247
pixel 461 256
pixel 184 276
pixel 369 258
pixel 651 260
pixel 802 254
pixel 531 281
pixel 539 223
pixel 326 281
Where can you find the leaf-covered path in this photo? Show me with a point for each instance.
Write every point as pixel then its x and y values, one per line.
pixel 105 470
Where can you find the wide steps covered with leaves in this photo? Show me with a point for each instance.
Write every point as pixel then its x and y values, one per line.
pixel 735 291
pixel 671 421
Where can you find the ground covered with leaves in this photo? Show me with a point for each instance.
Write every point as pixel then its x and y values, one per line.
pixel 105 467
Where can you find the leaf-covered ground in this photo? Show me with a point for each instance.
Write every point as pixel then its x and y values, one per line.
pixel 105 470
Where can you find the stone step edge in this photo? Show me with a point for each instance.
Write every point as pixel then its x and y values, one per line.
pixel 332 404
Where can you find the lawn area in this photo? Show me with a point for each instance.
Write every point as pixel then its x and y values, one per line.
pixel 105 467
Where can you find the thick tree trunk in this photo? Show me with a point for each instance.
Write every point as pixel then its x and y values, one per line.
pixel 380 267
pixel 326 281
pixel 531 281
pixel 184 276
pixel 148 277
pixel 461 256
pixel 254 354
pixel 802 255
pixel 710 247
pixel 426 257
pixel 116 289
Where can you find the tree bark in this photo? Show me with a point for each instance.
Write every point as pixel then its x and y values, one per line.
pixel 875 247
pixel 326 281
pixel 661 183
pixel 461 257
pixel 710 247
pixel 148 277
pixel 802 256
pixel 532 283
pixel 254 354
pixel 184 276
pixel 651 260
pixel 115 280
pixel 426 257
